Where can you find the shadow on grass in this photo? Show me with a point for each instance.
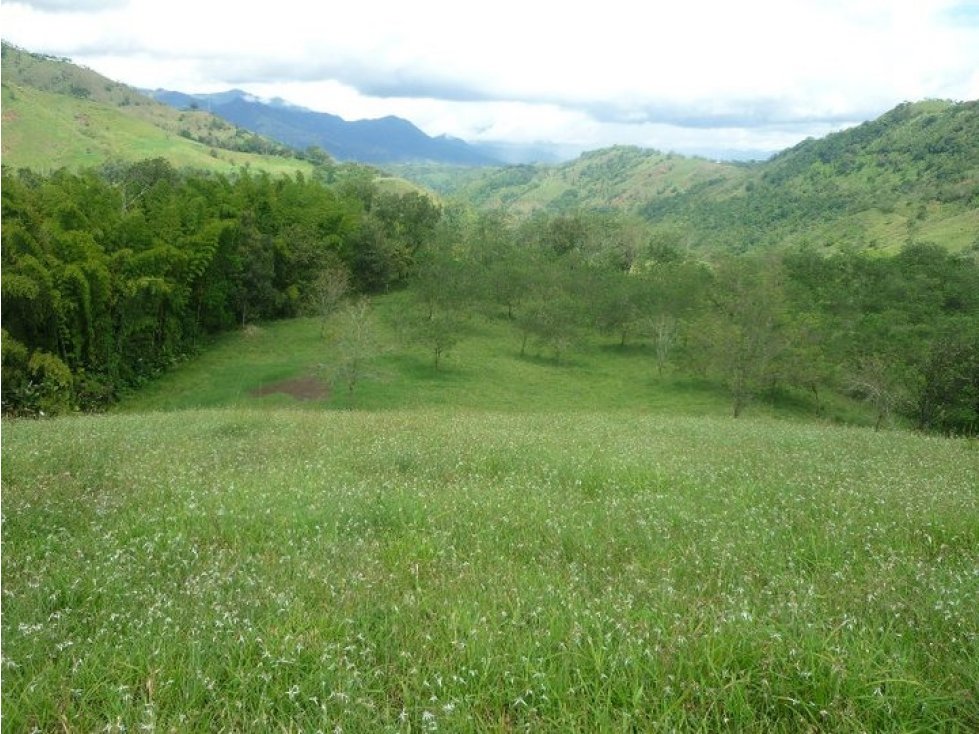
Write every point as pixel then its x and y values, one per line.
pixel 630 349
pixel 544 360
pixel 412 367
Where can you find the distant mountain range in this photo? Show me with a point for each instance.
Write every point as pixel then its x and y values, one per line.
pixel 910 175
pixel 385 140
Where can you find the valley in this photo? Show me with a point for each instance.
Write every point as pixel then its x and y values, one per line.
pixel 633 442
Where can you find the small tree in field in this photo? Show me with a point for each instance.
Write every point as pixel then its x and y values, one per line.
pixel 442 293
pixel 874 382
pixel 666 333
pixel 355 345
pixel 438 332
pixel 743 336
pixel 328 291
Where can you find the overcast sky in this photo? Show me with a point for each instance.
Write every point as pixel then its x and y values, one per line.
pixel 692 76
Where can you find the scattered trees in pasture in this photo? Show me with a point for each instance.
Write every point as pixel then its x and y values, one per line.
pixel 110 277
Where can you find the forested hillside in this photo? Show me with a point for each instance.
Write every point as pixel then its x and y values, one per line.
pixel 111 277
pixel 623 178
pixel 911 175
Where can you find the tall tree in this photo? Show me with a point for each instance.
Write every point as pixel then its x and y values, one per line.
pixel 743 336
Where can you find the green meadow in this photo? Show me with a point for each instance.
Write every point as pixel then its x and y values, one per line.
pixel 484 371
pixel 504 544
pixel 46 131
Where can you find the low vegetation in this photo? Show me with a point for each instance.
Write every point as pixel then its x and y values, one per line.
pixel 441 569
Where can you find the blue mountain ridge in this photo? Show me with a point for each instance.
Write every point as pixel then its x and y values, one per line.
pixel 383 140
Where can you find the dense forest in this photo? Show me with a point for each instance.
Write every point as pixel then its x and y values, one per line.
pixel 112 275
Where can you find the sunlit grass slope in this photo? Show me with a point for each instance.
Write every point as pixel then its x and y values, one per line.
pixel 45 131
pixel 451 570
pixel 484 371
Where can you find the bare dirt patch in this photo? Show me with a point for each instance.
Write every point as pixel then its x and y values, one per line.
pixel 301 388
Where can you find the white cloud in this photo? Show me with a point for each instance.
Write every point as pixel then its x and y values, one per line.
pixel 73 6
pixel 587 74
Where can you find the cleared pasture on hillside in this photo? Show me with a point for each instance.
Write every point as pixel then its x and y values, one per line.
pixel 285 570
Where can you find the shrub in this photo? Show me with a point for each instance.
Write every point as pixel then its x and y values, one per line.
pixel 50 384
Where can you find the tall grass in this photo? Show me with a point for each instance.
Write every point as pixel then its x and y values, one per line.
pixel 434 569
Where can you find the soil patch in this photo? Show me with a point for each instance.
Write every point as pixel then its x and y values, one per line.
pixel 301 388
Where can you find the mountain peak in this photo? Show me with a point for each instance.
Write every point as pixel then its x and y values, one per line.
pixel 388 139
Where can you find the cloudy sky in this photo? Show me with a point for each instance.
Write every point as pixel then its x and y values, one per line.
pixel 711 77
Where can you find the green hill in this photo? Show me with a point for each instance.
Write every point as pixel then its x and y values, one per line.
pixel 912 174
pixel 621 177
pixel 57 114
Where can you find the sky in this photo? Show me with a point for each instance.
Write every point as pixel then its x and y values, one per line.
pixel 717 78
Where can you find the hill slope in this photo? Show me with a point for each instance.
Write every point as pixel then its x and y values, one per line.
pixel 385 140
pixel 621 177
pixel 911 174
pixel 58 114
pixel 276 569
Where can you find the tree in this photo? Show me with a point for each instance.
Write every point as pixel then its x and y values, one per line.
pixel 874 381
pixel 355 345
pixel 743 335
pixel 620 303
pixel 328 291
pixel 944 387
pixel 438 331
pixel 807 361
pixel 552 311
pixel 666 332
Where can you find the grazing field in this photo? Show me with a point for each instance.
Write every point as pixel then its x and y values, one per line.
pixel 484 371
pixel 428 569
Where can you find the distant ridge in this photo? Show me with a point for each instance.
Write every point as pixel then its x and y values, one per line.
pixel 384 140
pixel 912 174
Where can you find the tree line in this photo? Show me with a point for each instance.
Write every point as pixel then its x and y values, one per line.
pixel 111 276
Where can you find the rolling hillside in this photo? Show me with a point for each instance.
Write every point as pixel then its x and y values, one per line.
pixel 621 177
pixel 58 114
pixel 912 174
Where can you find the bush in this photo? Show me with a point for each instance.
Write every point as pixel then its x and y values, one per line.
pixel 50 385
pixel 14 372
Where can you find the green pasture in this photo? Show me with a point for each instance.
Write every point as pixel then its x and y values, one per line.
pixel 440 569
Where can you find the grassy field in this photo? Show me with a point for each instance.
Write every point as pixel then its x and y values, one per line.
pixel 484 371
pixel 46 131
pixel 282 570
pixel 507 544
